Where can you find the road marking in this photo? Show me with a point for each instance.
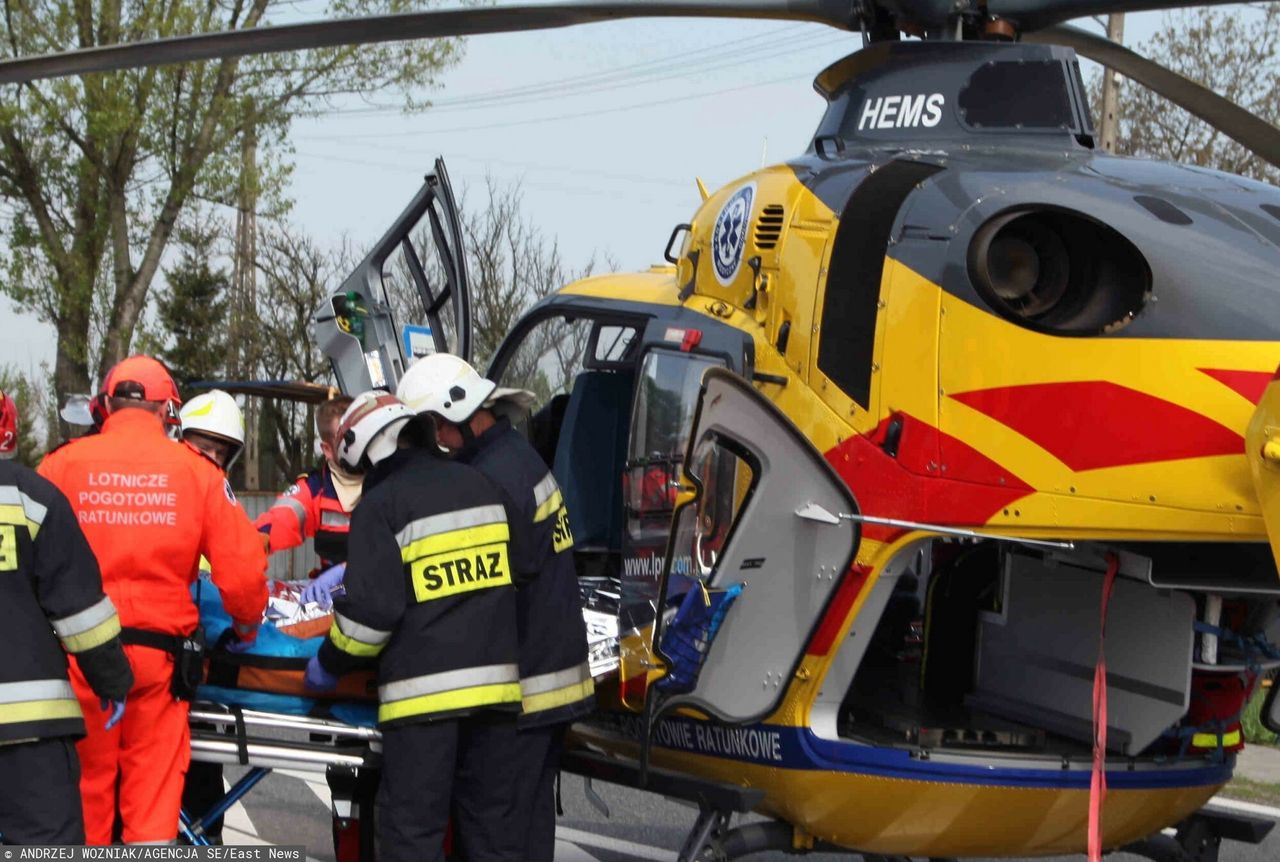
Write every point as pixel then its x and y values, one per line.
pixel 237 817
pixel 643 851
pixel 1246 807
pixel 317 786
pixel 566 852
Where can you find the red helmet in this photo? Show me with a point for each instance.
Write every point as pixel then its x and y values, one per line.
pixel 8 427
pixel 142 378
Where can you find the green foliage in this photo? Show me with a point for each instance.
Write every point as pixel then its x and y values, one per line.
pixel 97 170
pixel 1237 56
pixel 193 308
pixel 31 395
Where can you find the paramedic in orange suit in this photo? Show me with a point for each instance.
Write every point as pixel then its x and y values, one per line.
pixel 150 508
pixel 318 505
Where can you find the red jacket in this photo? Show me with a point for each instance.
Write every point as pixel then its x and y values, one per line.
pixel 150 509
pixel 309 508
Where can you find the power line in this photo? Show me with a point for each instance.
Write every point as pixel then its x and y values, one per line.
pixel 660 65
pixel 676 66
pixel 593 78
pixel 556 118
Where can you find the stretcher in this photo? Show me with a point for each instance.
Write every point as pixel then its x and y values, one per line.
pixel 255 711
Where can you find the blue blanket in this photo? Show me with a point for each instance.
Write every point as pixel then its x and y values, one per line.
pixel 273 643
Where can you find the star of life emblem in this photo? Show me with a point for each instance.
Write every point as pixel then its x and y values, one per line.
pixel 729 237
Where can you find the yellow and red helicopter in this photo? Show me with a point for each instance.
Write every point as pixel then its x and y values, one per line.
pixel 864 467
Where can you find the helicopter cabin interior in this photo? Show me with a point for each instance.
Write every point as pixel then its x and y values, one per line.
pixel 615 396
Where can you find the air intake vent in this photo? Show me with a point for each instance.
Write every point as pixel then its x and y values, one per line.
pixel 769 227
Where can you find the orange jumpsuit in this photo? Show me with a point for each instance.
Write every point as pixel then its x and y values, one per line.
pixel 150 508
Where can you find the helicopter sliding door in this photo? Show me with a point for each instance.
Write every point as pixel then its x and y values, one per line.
pixel 746 578
pixel 416 273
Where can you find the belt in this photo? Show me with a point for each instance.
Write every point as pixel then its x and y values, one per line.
pixel 155 640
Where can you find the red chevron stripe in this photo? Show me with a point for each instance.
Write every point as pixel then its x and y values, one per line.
pixel 960 487
pixel 1092 424
pixel 1249 384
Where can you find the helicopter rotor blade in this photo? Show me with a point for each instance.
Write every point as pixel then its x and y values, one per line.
pixel 435 24
pixel 1232 120
pixel 1037 14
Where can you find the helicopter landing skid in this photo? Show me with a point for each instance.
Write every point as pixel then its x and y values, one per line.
pixel 1200 836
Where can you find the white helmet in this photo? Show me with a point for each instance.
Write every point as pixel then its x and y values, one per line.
pixel 368 431
pixel 449 387
pixel 215 414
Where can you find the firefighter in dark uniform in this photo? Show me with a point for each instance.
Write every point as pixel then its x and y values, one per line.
pixel 555 675
pixel 429 594
pixel 51 603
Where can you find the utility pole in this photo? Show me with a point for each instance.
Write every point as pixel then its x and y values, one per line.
pixel 1110 125
pixel 240 358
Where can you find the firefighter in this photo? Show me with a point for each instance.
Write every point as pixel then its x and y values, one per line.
pixel 51 603
pixel 213 425
pixel 150 509
pixel 555 675
pixel 318 505
pixel 429 596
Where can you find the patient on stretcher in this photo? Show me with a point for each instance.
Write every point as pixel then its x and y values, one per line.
pixel 268 675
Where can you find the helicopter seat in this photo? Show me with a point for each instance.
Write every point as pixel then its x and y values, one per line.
pixel 590 457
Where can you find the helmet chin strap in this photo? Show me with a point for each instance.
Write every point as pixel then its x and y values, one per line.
pixel 468 436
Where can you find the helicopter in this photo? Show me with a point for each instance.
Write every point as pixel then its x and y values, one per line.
pixel 934 417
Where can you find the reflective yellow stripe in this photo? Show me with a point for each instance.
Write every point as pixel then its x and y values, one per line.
pixel 17 516
pixel 454 540
pixel 360 631
pixel 350 645
pixel 449 701
pixel 558 697
pixel 20 510
pixel 96 636
pixel 434 525
pixel 8 548
pixel 447 680
pixel 549 507
pixel 38 710
pixel 1210 740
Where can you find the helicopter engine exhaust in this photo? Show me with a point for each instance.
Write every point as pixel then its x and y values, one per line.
pixel 1057 271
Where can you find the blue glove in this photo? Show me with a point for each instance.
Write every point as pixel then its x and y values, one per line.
pixel 232 641
pixel 116 708
pixel 237 646
pixel 327 582
pixel 317 678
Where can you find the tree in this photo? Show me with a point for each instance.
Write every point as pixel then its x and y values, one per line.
pixel 1236 56
pixel 98 169
pixel 193 306
pixel 511 265
pixel 295 275
pixel 34 407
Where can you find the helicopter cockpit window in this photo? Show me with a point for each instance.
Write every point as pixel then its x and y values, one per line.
pixel 612 343
pixel 546 361
pixel 1017 95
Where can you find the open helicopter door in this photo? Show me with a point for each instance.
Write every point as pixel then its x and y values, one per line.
pixel 747 578
pixel 416 271
pixel 1262 448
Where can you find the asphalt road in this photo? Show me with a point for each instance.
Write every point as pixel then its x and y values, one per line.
pixel 292 808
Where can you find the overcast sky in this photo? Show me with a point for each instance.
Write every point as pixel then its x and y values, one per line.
pixel 605 125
